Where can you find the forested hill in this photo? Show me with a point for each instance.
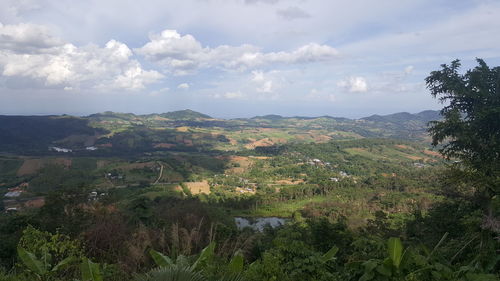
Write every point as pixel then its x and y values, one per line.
pixel 187 129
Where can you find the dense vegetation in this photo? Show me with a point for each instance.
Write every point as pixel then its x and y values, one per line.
pixel 158 196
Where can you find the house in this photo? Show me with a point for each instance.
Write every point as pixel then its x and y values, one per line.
pixel 12 194
pixel 93 196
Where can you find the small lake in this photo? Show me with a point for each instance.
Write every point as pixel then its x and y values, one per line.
pixel 259 223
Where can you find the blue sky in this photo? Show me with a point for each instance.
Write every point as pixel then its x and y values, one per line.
pixel 236 58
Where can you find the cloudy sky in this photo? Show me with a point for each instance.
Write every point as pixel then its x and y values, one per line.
pixel 236 58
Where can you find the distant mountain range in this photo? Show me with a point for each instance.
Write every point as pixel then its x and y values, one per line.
pixel 187 114
pixel 187 128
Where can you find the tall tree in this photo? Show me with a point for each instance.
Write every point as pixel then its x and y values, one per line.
pixel 470 128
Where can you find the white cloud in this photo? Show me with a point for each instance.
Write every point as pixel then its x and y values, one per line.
pixel 184 54
pixel 354 84
pixel 135 77
pixel 258 76
pixel 264 84
pixel 26 38
pixel 28 50
pixel 183 86
pixel 267 87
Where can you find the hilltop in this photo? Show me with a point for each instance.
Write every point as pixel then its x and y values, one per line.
pixel 190 130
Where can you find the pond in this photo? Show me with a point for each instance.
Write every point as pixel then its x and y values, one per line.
pixel 259 223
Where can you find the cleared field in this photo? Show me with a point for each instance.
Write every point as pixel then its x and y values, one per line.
pixel 31 166
pixel 432 153
pixel 392 153
pixel 198 187
pixel 242 164
pixel 133 166
pixel 364 152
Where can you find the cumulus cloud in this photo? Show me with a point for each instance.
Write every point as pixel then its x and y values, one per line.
pixel 354 84
pixel 264 84
pixel 184 54
pixel 26 38
pixel 28 50
pixel 292 13
pixel 183 86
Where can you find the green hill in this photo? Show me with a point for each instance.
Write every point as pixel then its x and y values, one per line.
pixel 185 114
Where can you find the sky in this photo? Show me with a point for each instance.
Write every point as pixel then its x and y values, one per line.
pixel 236 58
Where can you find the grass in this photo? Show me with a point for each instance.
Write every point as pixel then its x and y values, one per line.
pixel 277 209
pixel 160 191
pixel 10 166
pixel 387 153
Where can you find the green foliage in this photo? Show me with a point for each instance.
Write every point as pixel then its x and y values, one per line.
pixel 90 271
pixel 237 262
pixel 49 255
pixel 330 255
pixel 58 246
pixel 183 270
pixel 172 273
pixel 39 267
pixel 395 249
pixel 469 130
pixel 160 259
pixel 347 207
pixel 415 265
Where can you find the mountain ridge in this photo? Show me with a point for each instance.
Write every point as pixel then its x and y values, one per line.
pixel 188 113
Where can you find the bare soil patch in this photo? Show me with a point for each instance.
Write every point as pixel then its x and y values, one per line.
pixel 163 145
pixel 198 187
pixel 432 153
pixel 182 129
pixel 289 181
pixel 402 146
pixel 261 142
pixel 29 167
